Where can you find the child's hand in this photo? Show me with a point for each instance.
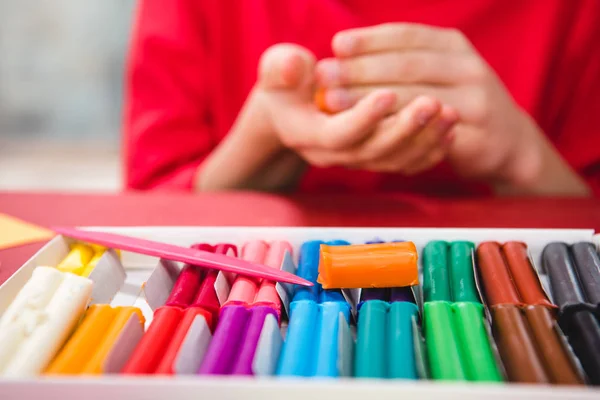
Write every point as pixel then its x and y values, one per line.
pixel 494 140
pixel 369 134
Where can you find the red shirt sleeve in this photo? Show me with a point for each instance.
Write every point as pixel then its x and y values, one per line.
pixel 167 130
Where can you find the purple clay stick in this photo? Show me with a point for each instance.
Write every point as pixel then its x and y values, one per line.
pixel 253 329
pixel 223 348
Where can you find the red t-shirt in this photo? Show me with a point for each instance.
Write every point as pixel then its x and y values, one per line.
pixel 192 64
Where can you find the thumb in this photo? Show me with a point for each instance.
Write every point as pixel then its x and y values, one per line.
pixel 286 66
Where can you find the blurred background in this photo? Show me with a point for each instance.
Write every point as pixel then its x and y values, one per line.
pixel 61 84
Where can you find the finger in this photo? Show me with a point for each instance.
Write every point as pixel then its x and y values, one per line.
pixel 347 128
pixel 391 136
pixel 419 151
pixel 319 158
pixel 398 68
pixel 303 126
pixel 433 157
pixel 424 149
pixel 397 167
pixel 398 36
pixel 397 137
pixel 466 99
pixel 342 98
pixel 286 66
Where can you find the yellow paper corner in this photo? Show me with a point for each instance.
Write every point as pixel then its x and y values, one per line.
pixel 16 232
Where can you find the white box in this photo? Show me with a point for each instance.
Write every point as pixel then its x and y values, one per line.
pixel 139 267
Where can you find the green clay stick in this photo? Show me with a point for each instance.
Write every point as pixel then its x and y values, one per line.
pixel 457 343
pixel 442 342
pixel 461 275
pixel 435 272
pixel 476 352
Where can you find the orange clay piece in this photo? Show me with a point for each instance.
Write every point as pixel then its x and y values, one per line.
pixel 320 102
pixel 84 341
pixel 87 349
pixel 368 265
pixel 95 365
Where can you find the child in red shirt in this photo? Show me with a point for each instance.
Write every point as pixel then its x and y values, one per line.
pixel 439 97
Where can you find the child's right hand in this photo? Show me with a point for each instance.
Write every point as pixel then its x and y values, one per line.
pixel 370 135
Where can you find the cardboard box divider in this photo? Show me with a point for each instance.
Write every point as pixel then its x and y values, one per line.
pixel 268 348
pixel 192 350
pixel 345 361
pixel 420 350
pixel 285 291
pixel 128 339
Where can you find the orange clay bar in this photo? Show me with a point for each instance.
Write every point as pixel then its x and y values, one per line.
pixel 95 364
pixel 92 341
pixel 368 265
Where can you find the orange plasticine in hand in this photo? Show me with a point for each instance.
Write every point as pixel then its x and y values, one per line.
pixel 320 102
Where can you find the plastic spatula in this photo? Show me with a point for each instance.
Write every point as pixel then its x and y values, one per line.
pixel 182 254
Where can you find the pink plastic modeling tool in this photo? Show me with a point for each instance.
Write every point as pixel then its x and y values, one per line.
pixel 182 254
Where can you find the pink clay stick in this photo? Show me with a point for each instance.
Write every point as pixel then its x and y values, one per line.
pixel 244 288
pixel 267 294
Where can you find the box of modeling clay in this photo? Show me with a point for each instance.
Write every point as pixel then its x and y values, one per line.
pixel 392 313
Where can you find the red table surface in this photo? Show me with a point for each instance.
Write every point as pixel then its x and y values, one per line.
pixel 253 209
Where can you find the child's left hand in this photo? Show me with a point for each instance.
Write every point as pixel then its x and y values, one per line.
pixel 494 140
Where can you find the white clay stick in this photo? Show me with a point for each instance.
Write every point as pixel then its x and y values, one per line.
pixel 52 327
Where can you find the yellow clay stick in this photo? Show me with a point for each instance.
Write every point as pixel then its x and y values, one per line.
pixel 92 264
pixel 99 252
pixel 79 256
pixel 101 249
